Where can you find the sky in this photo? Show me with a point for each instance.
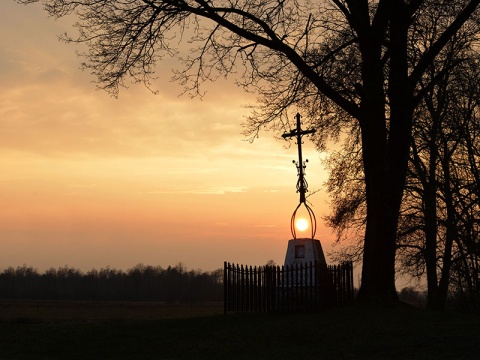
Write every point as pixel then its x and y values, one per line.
pixel 91 181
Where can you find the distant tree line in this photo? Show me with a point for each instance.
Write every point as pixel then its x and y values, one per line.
pixel 140 283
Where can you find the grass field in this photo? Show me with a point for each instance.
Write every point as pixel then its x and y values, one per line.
pixel 155 331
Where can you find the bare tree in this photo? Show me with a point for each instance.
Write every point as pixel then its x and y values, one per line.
pixel 344 62
pixel 466 264
pixel 439 176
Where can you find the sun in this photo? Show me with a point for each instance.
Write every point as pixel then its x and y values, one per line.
pixel 301 224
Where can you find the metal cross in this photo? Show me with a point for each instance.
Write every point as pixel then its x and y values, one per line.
pixel 301 183
pixel 298 133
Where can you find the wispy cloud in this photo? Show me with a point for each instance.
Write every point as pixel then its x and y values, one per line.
pixel 205 191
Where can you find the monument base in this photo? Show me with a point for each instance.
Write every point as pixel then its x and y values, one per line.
pixel 304 250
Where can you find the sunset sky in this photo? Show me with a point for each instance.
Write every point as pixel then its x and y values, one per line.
pixel 91 181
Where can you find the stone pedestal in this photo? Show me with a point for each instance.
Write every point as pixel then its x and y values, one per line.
pixel 304 250
pixel 300 269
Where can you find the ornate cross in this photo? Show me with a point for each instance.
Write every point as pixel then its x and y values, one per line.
pixel 298 133
pixel 302 186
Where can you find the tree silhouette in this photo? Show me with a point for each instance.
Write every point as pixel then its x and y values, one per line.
pixel 141 283
pixel 343 62
pixel 441 204
pixel 438 203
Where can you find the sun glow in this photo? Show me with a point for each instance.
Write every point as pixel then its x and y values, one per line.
pixel 301 224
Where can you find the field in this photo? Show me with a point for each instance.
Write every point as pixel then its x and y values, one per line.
pixel 75 330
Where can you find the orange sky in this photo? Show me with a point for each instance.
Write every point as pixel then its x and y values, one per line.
pixel 92 181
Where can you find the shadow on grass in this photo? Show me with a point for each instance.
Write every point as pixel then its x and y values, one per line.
pixel 341 333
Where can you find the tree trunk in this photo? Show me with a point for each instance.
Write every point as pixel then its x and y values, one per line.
pixel 430 215
pixel 378 272
pixel 440 299
pixel 383 204
pixel 385 156
pixel 433 295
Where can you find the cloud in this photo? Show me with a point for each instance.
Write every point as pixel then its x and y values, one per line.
pixel 205 191
pixel 48 106
pixel 54 118
pixel 219 191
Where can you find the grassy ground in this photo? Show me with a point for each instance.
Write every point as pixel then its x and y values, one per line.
pixel 154 331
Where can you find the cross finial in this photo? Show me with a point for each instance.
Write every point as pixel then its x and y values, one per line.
pixel 298 133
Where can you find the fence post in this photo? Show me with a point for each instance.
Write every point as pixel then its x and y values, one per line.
pixel 338 282
pixel 255 289
pixel 275 288
pixel 278 287
pixel 247 287
pixel 237 289
pixel 225 288
pixel 350 281
pixel 295 279
pixel 284 289
pixel 265 288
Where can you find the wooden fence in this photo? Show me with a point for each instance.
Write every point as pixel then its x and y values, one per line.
pixel 300 287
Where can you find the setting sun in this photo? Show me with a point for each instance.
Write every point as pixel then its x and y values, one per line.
pixel 301 224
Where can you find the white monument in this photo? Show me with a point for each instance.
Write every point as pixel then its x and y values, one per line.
pixel 304 250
